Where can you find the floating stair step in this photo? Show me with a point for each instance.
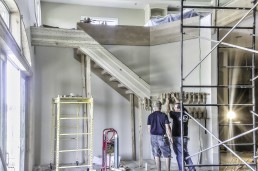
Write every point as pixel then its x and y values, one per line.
pixel 128 92
pixel 121 86
pixel 113 79
pixel 104 72
pixel 96 66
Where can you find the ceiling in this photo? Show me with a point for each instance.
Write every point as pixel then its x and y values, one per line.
pixel 137 4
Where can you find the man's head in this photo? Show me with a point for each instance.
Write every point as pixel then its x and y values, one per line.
pixel 177 107
pixel 157 106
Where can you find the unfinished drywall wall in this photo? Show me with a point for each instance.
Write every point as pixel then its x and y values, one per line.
pixel 55 14
pixel 164 76
pixel 57 72
pixel 27 12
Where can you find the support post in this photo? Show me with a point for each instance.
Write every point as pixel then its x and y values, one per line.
pixel 181 86
pixel 86 91
pixel 140 131
pixel 253 84
pixel 88 106
pixel 88 77
pixel 133 127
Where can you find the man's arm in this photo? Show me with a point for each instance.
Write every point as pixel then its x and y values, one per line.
pixel 168 131
pixel 149 128
pixel 167 105
pixel 176 99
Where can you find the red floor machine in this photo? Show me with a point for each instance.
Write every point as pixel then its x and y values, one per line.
pixel 110 145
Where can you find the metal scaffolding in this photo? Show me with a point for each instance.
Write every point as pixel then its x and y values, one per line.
pixel 68 122
pixel 229 86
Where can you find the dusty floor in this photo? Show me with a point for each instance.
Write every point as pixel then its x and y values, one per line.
pixel 134 166
pixel 230 158
pixel 226 158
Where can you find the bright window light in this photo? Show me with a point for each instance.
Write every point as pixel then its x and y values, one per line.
pixel 101 20
pixel 13 115
pixel 4 13
pixel 231 115
pixel 16 61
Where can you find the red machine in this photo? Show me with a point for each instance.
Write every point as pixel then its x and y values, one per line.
pixel 110 145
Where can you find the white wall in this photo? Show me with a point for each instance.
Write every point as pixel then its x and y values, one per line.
pixel 110 109
pixel 27 11
pixel 55 14
pixel 59 73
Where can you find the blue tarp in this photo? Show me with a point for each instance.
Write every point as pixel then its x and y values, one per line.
pixel 172 17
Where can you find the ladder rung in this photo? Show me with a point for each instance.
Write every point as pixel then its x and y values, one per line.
pixel 216 7
pixel 73 138
pixel 227 47
pixel 236 124
pixel 67 151
pixel 236 66
pixel 68 134
pixel 68 118
pixel 220 27
pixel 74 102
pixel 227 164
pixel 218 86
pixel 218 104
pixel 243 144
pixel 67 127
pixel 73 166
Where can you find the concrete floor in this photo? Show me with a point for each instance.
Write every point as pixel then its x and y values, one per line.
pixel 226 158
pixel 230 159
pixel 134 165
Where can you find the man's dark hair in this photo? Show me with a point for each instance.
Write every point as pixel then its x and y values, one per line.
pixel 179 107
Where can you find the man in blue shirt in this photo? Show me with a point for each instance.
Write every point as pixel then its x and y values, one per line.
pixel 158 126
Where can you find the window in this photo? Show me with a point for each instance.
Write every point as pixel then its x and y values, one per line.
pixel 25 45
pixel 2 109
pixel 37 12
pixel 4 13
pixel 100 20
pixel 15 117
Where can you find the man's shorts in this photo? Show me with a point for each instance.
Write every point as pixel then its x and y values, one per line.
pixel 160 146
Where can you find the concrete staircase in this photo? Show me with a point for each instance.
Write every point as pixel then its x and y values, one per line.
pixel 103 63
